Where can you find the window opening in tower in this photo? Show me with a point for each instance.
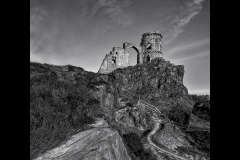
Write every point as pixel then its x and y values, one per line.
pixel 148 58
pixel 149 46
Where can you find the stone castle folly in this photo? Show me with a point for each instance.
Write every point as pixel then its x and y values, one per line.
pixel 150 48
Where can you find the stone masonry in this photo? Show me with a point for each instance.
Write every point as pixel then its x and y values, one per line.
pixel 150 48
pixel 118 58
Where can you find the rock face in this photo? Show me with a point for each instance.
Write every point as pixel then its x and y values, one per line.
pixel 93 144
pixel 171 137
pixel 158 82
pixel 197 122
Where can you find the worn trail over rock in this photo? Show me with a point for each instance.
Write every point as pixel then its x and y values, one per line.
pixel 152 133
pixel 157 125
pixel 155 109
pixel 101 142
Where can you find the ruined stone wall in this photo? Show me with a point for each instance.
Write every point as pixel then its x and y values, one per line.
pixel 118 58
pixel 138 49
pixel 150 48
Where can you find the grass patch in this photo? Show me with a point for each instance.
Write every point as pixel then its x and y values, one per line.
pixel 58 108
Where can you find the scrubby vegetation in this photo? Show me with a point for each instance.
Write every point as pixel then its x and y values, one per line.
pixel 135 147
pixel 199 98
pixel 178 114
pixel 202 106
pixel 200 140
pixel 60 105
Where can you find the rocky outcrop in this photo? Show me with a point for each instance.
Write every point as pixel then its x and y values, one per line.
pixel 94 144
pixel 171 137
pixel 200 123
pixel 158 82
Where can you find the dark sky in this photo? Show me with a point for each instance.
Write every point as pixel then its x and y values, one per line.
pixel 81 32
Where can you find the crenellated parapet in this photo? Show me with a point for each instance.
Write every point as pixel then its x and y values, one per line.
pixel 156 33
pixel 151 41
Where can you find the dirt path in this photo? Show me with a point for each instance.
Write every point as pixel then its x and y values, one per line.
pixel 152 133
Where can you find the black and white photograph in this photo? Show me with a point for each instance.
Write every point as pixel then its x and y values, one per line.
pixel 120 80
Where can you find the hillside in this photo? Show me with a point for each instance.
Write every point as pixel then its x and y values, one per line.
pixel 100 142
pixel 60 105
pixel 202 106
pixel 65 100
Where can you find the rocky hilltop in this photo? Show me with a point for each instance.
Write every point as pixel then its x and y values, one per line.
pixel 66 100
pixel 158 82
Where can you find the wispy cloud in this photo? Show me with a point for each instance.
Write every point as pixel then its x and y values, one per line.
pixel 197 56
pixel 114 12
pixel 57 25
pixel 193 8
pixel 187 46
pixel 186 52
pixel 37 16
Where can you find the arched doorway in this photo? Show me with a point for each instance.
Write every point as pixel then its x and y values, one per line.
pixel 132 49
pixel 133 56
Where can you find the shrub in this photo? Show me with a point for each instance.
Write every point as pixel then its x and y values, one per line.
pixel 202 106
pixel 135 146
pixel 201 139
pixel 57 109
pixel 178 114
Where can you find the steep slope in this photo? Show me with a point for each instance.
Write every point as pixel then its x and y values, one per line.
pixel 93 144
pixel 60 105
pixel 202 106
pixel 158 82
pixel 64 100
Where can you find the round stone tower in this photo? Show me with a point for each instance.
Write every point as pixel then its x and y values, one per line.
pixel 151 46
